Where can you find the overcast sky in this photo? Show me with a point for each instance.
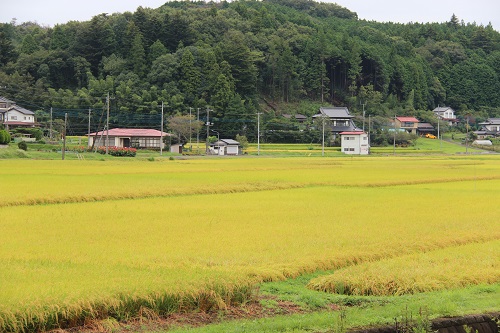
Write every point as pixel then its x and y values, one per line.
pixel 51 12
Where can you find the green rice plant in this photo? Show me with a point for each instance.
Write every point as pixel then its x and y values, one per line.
pixel 448 268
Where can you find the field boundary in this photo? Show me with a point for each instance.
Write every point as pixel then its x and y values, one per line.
pixel 238 188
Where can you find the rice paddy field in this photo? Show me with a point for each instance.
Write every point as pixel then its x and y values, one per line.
pixel 83 240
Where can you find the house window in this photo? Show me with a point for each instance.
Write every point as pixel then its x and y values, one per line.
pixel 13 117
pixel 351 149
pixel 408 124
pixel 346 149
pixel 346 138
pixel 365 138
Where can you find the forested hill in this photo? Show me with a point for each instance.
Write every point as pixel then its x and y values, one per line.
pixel 233 56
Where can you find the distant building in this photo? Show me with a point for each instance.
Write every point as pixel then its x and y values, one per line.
pixel 409 124
pixel 354 143
pixel 491 125
pixel 225 147
pixel 298 117
pixel 447 114
pixel 425 128
pixel 128 137
pixel 12 115
pixel 340 118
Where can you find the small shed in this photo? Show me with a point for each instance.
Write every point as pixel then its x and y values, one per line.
pixel 225 147
pixel 176 148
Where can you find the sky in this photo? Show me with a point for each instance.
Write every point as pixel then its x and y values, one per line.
pixel 51 12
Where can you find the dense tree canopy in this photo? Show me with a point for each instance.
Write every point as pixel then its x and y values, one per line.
pixel 233 56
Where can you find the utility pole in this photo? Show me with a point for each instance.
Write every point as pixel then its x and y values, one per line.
pixel 50 130
pixel 64 140
pixel 190 130
pixel 161 130
pixel 363 116
pixel 208 130
pixel 88 133
pixel 198 130
pixel 439 137
pixel 369 128
pixel 258 133
pixel 107 124
pixel 394 140
pixel 467 135
pixel 323 141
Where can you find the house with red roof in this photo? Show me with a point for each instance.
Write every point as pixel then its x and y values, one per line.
pixel 128 137
pixel 409 124
pixel 354 143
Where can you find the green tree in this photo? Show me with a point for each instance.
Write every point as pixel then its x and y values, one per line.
pixel 184 126
pixel 29 45
pixel 189 77
pixel 242 61
pixel 7 52
pixel 137 57
pixel 156 50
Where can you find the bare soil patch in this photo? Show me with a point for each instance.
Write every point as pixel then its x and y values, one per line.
pixel 151 322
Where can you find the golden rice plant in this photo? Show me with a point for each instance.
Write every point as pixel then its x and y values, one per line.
pixel 137 236
pixel 46 182
pixel 448 268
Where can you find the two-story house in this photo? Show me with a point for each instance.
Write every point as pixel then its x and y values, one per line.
pixel 490 127
pixel 409 124
pixel 355 143
pixel 12 115
pixel 447 114
pixel 340 119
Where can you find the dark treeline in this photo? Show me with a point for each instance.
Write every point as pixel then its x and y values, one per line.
pixel 241 57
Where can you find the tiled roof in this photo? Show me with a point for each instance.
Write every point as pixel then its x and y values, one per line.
pixel 5 100
pixel 135 132
pixel 442 109
pixel 22 110
pixel 425 125
pixel 491 121
pixel 19 123
pixel 230 141
pixel 352 133
pixel 335 112
pixel 407 119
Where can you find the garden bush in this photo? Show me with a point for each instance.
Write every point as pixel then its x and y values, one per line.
pixel 22 145
pixel 118 151
pixel 4 137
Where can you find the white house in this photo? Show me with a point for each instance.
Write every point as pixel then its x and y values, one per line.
pixel 354 143
pixel 225 147
pixel 128 137
pixel 447 114
pixel 12 115
pixel 491 125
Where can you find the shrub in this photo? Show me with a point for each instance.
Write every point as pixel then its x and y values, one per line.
pixel 22 145
pixel 34 132
pixel 118 151
pixel 4 137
